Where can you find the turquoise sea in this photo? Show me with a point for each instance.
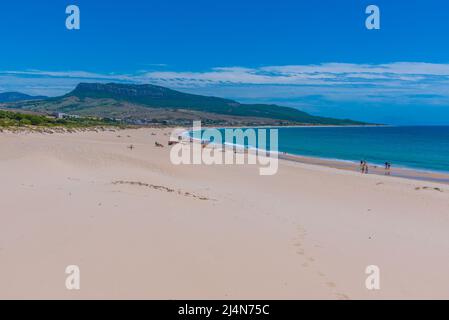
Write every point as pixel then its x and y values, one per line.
pixel 416 147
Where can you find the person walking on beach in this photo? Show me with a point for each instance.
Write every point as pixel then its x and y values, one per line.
pixel 387 168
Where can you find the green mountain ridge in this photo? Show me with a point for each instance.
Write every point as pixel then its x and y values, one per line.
pixel 150 102
pixel 18 96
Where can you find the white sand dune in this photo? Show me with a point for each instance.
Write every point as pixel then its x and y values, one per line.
pixel 216 232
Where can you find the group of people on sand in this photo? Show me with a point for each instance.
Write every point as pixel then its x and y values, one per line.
pixel 364 168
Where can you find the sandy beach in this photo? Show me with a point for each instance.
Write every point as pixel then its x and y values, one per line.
pixel 141 227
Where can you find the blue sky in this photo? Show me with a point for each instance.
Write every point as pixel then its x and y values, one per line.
pixel 314 55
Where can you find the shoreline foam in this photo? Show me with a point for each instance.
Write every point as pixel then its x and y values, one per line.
pixel 343 164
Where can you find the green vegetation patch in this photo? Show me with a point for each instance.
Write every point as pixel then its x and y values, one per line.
pixel 15 119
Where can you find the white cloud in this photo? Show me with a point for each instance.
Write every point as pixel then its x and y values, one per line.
pixel 338 81
pixel 328 74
